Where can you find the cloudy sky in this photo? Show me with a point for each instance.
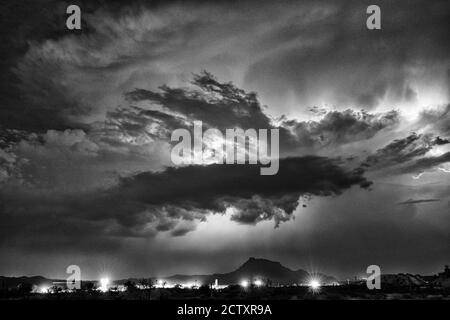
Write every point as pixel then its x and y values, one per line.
pixel 86 118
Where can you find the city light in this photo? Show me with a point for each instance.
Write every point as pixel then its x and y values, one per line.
pixel 244 283
pixel 258 283
pixel 104 282
pixel 314 284
pixel 44 289
pixel 159 284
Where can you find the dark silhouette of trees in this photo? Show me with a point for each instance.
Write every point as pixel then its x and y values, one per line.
pixel 130 286
pixel 205 290
pixel 24 288
pixel 89 286
pixel 146 283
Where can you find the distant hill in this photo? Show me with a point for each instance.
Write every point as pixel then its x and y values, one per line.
pixel 410 280
pixel 11 282
pixel 402 280
pixel 252 269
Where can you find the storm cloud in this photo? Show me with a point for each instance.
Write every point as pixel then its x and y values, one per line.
pixel 403 150
pixel 86 120
pixel 222 105
pixel 209 187
pixel 135 207
pixel 416 201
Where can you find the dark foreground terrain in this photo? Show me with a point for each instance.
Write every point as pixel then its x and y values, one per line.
pixel 237 292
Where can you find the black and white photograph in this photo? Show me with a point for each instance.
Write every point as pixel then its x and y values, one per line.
pixel 251 150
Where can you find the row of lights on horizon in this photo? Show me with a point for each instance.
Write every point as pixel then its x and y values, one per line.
pixel 104 286
pixel 313 283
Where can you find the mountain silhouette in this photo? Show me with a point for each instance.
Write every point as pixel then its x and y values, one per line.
pixel 253 269
pixel 10 282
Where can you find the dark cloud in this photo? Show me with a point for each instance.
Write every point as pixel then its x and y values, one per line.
pixel 216 187
pixel 173 200
pixel 136 122
pixel 178 232
pixel 340 127
pixel 307 49
pixel 223 105
pixel 10 137
pixel 413 201
pixel 15 111
pixel 439 141
pixel 219 105
pixel 403 150
pixel 28 103
pixel 96 184
pixel 426 163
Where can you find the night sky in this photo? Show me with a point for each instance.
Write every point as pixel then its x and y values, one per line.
pixel 86 118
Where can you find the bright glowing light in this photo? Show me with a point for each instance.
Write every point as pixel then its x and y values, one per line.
pixel 104 282
pixel 258 283
pixel 160 284
pixel 314 284
pixel 44 289
pixel 244 283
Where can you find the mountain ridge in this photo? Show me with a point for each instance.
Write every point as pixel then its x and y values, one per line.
pixel 252 269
